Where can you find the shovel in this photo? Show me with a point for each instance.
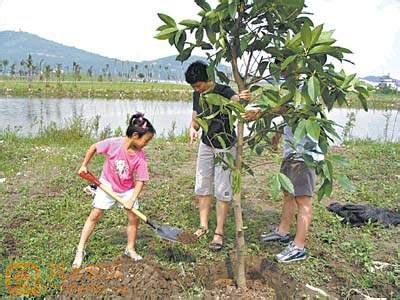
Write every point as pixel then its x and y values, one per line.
pixel 166 232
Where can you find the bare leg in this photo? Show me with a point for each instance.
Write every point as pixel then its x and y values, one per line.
pixel 95 215
pixel 131 232
pixel 288 212
pixel 222 212
pixel 204 210
pixel 304 217
pixel 131 229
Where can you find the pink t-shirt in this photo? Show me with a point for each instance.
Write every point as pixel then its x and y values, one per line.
pixel 121 168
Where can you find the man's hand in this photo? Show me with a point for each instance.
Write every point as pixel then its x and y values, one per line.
pixel 245 95
pixel 251 115
pixel 193 135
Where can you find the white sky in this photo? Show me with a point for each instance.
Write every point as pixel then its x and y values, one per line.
pixel 124 29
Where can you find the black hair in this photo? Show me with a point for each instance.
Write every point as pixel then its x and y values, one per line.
pixel 140 125
pixel 197 71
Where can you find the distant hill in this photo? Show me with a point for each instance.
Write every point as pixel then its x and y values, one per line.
pixel 16 46
pixel 378 79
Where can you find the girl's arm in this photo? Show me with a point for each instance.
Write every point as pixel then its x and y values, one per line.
pixel 136 192
pixel 88 156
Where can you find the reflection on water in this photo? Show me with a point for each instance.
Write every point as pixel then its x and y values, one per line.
pixel 31 114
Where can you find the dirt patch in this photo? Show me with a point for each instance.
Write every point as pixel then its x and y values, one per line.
pixel 147 279
pixel 10 245
pixel 123 278
pixel 186 238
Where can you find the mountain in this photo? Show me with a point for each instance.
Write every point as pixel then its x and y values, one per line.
pixel 16 46
pixel 378 79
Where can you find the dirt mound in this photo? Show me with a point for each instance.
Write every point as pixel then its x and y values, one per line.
pixel 123 278
pixel 146 279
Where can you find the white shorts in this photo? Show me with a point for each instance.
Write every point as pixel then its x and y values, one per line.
pixel 212 177
pixel 104 201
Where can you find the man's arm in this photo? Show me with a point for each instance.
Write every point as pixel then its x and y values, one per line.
pixel 194 127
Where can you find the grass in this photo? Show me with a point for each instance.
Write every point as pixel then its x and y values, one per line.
pixel 43 210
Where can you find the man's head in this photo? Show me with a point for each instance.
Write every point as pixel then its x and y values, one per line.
pixel 196 75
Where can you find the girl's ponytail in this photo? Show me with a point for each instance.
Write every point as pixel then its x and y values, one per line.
pixel 140 125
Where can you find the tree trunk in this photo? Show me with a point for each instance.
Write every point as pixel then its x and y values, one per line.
pixel 240 243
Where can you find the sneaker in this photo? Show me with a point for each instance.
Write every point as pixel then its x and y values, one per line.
pixel 275 236
pixel 90 190
pixel 291 253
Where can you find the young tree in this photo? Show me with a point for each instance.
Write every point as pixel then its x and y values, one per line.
pixel 261 39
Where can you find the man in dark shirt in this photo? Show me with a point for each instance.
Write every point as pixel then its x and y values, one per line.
pixel 212 178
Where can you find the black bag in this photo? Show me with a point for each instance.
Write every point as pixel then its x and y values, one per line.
pixel 358 215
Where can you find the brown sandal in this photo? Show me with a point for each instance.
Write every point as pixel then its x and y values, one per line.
pixel 200 232
pixel 217 246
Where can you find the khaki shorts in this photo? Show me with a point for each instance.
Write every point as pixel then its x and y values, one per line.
pixel 213 178
pixel 302 177
pixel 104 201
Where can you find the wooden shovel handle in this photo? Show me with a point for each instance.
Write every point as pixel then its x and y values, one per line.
pixel 93 179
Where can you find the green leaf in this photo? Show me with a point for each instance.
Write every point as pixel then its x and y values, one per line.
pixel 363 101
pixel 287 61
pixel 327 169
pixel 316 33
pixel 325 189
pixel 190 23
pixel 297 4
pixel 346 183
pixel 286 184
pixel 244 42
pixel 300 131
pixel 321 49
pixel 306 35
pixel 313 88
pixel 199 35
pixel 203 4
pixel 313 129
pixel 203 124
pixel 185 54
pixel 211 35
pixel 232 8
pixel 166 33
pixel 275 185
pixel 180 38
pixel 167 20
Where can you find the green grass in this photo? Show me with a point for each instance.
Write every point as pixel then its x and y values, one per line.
pixel 43 210
pixel 95 89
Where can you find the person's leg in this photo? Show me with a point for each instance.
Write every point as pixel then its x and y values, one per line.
pixel 203 186
pixel 223 193
pixel 131 232
pixel 304 217
pixel 288 211
pixel 204 210
pixel 94 216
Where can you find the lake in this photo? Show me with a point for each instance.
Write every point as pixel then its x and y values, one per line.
pixel 27 115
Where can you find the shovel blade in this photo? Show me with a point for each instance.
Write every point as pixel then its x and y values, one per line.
pixel 167 232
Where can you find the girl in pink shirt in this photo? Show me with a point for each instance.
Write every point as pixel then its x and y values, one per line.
pixel 125 171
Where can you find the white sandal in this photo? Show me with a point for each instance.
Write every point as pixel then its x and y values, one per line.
pixel 135 257
pixel 79 257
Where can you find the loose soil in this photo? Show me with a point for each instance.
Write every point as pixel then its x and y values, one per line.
pixel 146 279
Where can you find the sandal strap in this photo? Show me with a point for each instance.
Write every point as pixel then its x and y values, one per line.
pixel 219 234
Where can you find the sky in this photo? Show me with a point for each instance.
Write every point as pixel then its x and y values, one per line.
pixel 124 29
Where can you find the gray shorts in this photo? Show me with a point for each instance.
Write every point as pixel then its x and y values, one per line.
pixel 302 177
pixel 213 178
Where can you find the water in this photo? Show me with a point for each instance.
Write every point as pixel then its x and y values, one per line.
pixel 27 114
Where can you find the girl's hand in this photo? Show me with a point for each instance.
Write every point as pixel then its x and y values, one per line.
pixel 82 169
